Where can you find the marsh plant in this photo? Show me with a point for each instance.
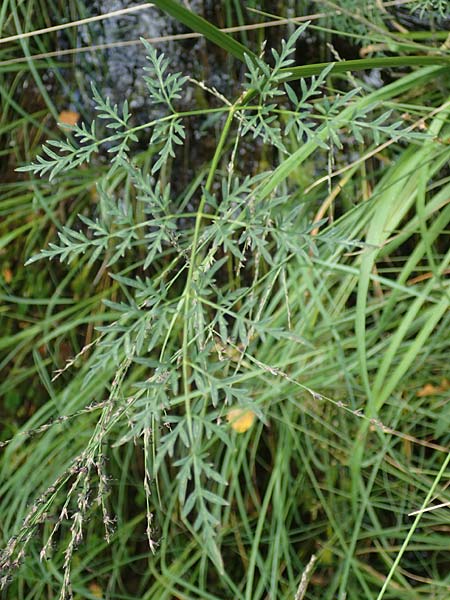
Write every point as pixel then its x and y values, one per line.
pixel 204 289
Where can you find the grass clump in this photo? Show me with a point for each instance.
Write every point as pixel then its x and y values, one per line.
pixel 307 297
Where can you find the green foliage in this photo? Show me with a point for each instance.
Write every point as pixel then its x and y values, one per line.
pixel 363 19
pixel 428 7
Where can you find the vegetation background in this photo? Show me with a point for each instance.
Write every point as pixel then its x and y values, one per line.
pixel 225 365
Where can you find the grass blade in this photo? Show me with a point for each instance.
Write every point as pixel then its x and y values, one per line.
pixel 202 26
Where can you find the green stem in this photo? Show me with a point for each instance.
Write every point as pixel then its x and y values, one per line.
pixel 193 262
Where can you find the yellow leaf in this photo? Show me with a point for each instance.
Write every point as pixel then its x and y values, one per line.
pixel 431 390
pixel 241 420
pixel 96 590
pixel 7 275
pixel 68 117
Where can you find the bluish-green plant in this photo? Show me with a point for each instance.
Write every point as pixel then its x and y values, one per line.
pixel 197 301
